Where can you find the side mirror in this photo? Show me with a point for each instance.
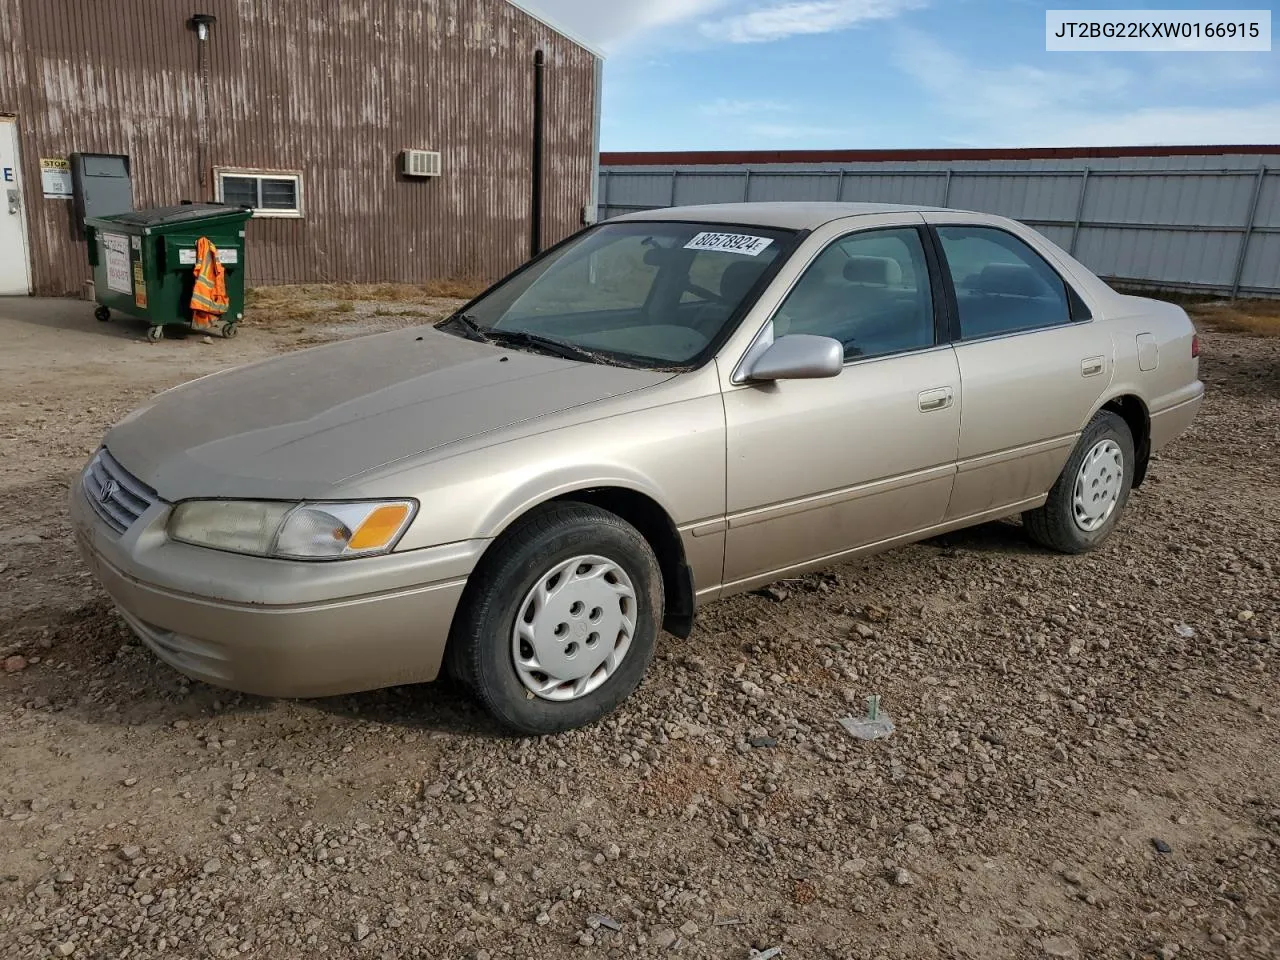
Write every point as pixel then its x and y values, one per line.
pixel 799 356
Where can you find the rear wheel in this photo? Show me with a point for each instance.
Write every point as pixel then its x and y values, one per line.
pixel 560 620
pixel 1089 496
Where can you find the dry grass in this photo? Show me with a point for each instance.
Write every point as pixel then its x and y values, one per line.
pixel 308 303
pixel 1259 318
pixel 463 288
pixel 391 312
pixel 284 312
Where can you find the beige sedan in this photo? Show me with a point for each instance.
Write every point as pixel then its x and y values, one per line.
pixel 666 409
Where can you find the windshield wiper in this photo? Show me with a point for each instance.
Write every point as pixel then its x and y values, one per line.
pixel 535 341
pixel 470 329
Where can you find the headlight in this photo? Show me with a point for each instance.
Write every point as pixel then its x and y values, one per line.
pixel 301 531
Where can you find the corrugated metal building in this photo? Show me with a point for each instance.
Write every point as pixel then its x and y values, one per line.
pixel 303 108
pixel 1199 219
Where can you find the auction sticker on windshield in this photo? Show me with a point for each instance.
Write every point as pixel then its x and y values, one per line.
pixel 730 243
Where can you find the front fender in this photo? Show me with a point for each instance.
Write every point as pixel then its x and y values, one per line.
pixel 544 488
pixel 674 454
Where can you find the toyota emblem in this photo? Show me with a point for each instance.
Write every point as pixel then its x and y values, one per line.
pixel 109 488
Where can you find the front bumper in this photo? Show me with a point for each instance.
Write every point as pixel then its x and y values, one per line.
pixel 274 627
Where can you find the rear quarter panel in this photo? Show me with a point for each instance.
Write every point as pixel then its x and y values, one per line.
pixel 1157 336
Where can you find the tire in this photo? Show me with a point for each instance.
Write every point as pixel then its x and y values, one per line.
pixel 102 314
pixel 483 643
pixel 1059 524
pixel 155 334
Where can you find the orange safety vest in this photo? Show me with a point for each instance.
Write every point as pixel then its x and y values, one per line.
pixel 209 298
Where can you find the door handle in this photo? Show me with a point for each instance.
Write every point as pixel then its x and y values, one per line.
pixel 13 201
pixel 936 399
pixel 1092 366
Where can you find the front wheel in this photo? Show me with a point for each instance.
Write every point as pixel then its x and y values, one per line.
pixel 560 621
pixel 1089 496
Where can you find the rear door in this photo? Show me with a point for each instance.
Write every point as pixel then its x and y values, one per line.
pixel 1032 361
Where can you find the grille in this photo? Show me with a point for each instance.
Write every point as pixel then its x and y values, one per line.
pixel 118 496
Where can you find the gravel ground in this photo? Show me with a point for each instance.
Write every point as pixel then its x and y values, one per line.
pixel 1085 762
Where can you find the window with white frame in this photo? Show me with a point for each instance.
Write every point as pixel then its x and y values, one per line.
pixel 269 193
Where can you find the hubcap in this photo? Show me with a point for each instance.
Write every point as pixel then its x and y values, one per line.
pixel 574 628
pixel 1098 485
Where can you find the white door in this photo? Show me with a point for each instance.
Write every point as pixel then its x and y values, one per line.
pixel 15 268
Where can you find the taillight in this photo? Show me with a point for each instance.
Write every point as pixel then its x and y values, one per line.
pixel 1195 346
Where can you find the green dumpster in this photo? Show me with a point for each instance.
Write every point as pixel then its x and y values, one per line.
pixel 144 262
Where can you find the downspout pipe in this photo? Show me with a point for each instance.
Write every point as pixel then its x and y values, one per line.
pixel 539 145
pixel 201 24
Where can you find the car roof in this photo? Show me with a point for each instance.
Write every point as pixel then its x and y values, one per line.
pixel 783 214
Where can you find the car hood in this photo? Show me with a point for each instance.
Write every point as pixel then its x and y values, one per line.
pixel 300 425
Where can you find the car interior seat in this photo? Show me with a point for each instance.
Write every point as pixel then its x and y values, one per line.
pixel 888 316
pixel 738 279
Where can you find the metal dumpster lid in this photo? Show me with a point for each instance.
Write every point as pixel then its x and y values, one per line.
pixel 163 216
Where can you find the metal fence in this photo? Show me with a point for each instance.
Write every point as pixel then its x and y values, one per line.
pixel 1171 224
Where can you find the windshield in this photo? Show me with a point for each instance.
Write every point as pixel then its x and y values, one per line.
pixel 649 294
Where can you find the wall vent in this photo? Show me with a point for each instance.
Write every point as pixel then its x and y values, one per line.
pixel 421 163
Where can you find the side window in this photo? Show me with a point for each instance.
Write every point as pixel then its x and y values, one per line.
pixel 869 290
pixel 1002 285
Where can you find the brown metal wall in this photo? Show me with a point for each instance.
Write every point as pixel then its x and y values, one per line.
pixel 333 90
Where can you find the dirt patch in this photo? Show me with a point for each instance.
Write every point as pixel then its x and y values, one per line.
pixel 1085 762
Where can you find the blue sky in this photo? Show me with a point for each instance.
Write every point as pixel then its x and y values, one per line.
pixel 856 74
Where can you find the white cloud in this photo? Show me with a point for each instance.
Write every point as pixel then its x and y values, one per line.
pixel 615 24
pixel 1174 125
pixel 804 17
pixel 987 93
pixel 1223 71
pixel 1088 103
pixel 791 133
pixel 741 108
pixel 611 24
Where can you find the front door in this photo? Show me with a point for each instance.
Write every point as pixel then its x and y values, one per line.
pixel 15 276
pixel 819 468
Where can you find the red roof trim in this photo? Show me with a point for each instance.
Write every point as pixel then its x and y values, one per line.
pixel 695 157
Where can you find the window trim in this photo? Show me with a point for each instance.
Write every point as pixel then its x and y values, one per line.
pixel 1074 300
pixel 260 174
pixel 764 337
